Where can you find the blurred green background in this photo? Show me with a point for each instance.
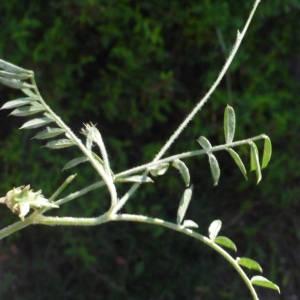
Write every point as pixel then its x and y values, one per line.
pixel 136 69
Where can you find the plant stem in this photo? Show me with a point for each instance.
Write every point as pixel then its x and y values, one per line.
pixel 69 221
pixel 235 48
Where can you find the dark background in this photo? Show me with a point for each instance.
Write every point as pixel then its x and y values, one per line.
pixel 137 68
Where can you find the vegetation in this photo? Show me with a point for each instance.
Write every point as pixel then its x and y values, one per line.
pixel 151 60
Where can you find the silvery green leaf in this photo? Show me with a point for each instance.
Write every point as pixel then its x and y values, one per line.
pixel 21 76
pixel 264 282
pixel 15 84
pixel 229 124
pixel 255 161
pixel 225 242
pixel 159 170
pixel 74 162
pixel 214 167
pixel 184 171
pixel 28 110
pixel 35 123
pixel 12 68
pixel 189 224
pixel 267 152
pixel 135 178
pixel 59 144
pixel 18 102
pixel 214 229
pixel 48 133
pixel 184 204
pixel 238 161
pixel 29 93
pixel 249 263
pixel 204 142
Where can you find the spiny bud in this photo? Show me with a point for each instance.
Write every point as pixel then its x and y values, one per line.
pixel 19 200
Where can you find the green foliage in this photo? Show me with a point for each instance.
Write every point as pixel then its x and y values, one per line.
pixel 158 58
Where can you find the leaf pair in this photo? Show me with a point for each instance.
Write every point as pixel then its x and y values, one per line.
pixel 13 75
pixel 213 162
pixel 213 231
pixel 254 155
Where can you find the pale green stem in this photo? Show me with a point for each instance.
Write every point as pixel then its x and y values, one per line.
pixel 80 193
pixel 192 114
pixel 62 187
pixel 193 234
pixel 69 221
